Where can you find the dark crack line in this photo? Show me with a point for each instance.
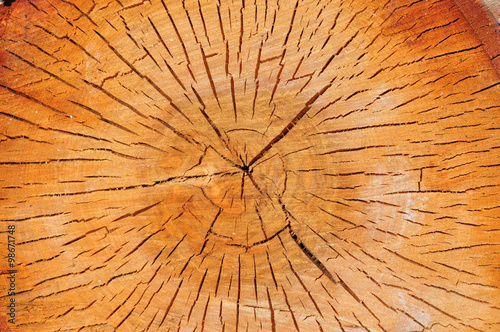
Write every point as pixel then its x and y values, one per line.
pixel 174 179
pixel 310 255
pixel 290 125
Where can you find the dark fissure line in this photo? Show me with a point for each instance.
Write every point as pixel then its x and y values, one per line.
pixel 159 182
pixel 292 124
pixel 311 256
pixel 42 70
pixel 142 76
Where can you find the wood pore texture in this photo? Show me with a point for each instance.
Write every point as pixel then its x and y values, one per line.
pixel 249 166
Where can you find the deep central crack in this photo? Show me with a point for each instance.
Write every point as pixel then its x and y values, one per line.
pixel 248 202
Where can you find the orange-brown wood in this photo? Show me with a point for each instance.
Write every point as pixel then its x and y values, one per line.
pixel 248 166
pixel 484 18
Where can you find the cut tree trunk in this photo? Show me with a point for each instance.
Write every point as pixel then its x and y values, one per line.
pixel 249 165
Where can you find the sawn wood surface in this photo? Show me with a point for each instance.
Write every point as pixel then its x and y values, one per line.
pixel 262 165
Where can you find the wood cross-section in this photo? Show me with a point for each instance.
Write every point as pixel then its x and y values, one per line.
pixel 266 165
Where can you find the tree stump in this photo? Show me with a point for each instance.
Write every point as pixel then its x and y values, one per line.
pixel 248 165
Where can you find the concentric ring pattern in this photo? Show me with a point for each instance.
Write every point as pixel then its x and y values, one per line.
pixel 250 165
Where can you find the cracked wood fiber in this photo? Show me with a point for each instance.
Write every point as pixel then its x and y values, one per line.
pixel 249 165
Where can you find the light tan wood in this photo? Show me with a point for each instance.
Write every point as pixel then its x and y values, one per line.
pixel 249 166
pixel 494 8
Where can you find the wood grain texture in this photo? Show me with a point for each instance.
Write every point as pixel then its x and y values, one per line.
pixel 493 7
pixel 484 18
pixel 249 166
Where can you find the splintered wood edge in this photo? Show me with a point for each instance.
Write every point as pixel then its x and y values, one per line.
pixel 484 18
